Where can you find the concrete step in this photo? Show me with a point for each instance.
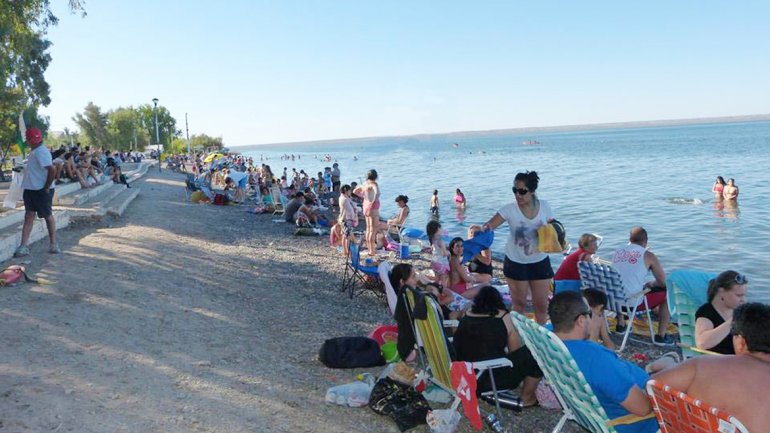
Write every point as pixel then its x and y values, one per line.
pixel 11 217
pixel 81 196
pixel 118 205
pixel 10 237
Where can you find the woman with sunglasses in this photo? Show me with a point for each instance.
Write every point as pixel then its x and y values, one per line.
pixel 714 319
pixel 526 268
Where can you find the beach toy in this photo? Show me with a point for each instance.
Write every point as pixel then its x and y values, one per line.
pixel 384 334
pixel 390 352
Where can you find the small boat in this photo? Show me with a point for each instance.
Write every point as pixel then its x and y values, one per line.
pixel 530 142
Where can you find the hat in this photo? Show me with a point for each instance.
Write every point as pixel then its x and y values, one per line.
pixel 34 136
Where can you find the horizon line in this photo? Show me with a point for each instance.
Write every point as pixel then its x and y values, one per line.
pixel 529 129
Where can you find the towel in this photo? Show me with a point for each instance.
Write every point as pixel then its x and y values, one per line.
pixel 691 281
pixel 481 241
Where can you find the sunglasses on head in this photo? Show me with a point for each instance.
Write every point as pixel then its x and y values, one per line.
pixel 520 191
pixel 741 279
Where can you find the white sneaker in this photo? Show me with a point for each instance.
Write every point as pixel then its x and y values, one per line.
pixel 22 251
pixel 54 249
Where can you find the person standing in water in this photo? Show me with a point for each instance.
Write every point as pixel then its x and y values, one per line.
pixel 434 202
pixel 718 188
pixel 459 199
pixel 730 191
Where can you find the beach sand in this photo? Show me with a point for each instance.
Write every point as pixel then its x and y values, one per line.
pixel 186 318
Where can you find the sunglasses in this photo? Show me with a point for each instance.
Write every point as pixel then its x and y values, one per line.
pixel 520 191
pixel 588 314
pixel 741 279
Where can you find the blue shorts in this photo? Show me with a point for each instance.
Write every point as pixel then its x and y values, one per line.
pixel 541 270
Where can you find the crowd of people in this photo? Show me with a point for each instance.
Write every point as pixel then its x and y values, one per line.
pixel 725 324
pixel 46 168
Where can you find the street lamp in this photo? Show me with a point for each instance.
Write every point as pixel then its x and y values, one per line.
pixel 157 133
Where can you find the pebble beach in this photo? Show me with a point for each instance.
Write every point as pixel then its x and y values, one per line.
pixel 181 317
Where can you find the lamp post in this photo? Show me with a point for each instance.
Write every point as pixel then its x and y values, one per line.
pixel 157 133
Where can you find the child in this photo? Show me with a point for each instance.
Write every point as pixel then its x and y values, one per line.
pixel 439 260
pixel 597 300
pixel 434 202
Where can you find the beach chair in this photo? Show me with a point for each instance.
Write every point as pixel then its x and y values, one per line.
pixel 278 200
pixel 355 273
pixel 390 293
pixel 607 279
pixel 577 399
pixel 430 336
pixel 685 316
pixel 677 412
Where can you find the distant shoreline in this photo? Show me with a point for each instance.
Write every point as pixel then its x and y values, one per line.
pixel 529 130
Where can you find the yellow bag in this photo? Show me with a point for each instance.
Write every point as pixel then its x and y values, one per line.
pixel 551 237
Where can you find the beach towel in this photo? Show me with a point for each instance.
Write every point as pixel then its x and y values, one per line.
pixel 691 281
pixel 552 237
pixel 481 241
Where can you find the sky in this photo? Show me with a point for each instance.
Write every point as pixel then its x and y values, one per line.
pixel 258 72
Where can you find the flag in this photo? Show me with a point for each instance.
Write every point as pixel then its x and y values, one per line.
pixel 22 134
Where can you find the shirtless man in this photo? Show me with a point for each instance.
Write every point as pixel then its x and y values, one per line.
pixel 733 383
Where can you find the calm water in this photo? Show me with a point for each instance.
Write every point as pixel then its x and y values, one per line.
pixel 596 181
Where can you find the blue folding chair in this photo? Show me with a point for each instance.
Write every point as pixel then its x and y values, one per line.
pixel 355 273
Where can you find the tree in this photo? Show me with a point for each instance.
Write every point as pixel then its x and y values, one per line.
pixel 166 123
pixel 124 128
pixel 24 58
pixel 93 125
pixel 203 141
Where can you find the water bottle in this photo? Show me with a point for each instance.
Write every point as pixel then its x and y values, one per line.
pixel 494 424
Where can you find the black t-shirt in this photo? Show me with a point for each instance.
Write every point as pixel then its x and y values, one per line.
pixel 708 311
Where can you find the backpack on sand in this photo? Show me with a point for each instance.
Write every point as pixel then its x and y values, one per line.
pixel 350 352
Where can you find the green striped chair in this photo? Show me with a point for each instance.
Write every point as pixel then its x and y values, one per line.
pixel 578 402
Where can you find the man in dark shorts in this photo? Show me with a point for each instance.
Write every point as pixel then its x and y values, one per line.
pixel 38 185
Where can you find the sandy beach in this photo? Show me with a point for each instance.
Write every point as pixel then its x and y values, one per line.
pixel 186 318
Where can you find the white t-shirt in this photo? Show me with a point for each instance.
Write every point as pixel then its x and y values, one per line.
pixel 36 172
pixel 522 242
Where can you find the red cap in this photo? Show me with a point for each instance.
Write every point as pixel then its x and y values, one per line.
pixel 34 136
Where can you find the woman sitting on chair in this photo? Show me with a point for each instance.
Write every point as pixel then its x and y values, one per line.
pixel 714 319
pixel 487 332
pixel 395 224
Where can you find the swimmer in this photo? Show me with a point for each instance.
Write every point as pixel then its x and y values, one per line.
pixel 718 188
pixel 434 202
pixel 459 198
pixel 730 191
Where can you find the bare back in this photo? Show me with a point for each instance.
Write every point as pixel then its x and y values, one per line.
pixel 737 384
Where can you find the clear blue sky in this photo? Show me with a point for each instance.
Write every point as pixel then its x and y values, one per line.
pixel 276 71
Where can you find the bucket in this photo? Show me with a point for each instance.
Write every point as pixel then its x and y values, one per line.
pixel 384 334
pixel 390 352
pixel 403 251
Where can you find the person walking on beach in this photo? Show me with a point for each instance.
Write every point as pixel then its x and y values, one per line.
pixel 38 185
pixel 434 203
pixel 370 193
pixel 526 269
pixel 731 191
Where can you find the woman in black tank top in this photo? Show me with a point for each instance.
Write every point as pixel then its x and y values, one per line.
pixel 487 332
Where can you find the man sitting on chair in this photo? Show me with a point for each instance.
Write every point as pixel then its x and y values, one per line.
pixel 632 263
pixel 618 384
pixel 733 383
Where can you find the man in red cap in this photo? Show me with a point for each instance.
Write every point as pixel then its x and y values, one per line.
pixel 38 185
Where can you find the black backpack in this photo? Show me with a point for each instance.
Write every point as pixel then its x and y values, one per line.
pixel 350 352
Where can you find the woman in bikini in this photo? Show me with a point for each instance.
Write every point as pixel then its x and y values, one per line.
pixel 370 193
pixel 718 188
pixel 460 279
pixel 731 191
pixel 459 199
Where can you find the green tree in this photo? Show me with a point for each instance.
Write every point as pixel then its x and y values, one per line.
pixel 166 123
pixel 124 128
pixel 24 58
pixel 203 141
pixel 93 125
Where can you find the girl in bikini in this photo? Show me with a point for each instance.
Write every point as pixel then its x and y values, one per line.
pixel 370 193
